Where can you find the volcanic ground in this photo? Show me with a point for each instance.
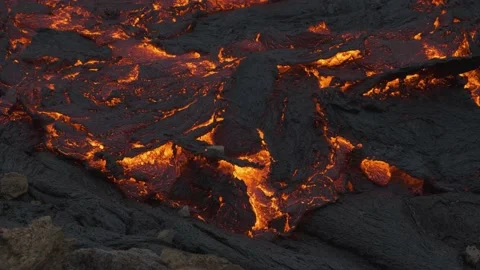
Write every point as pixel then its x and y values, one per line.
pixel 293 134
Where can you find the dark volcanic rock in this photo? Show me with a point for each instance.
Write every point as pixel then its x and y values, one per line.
pixel 176 259
pixel 144 259
pixel 11 73
pixel 266 85
pixel 451 217
pixel 135 259
pixel 67 46
pixel 60 187
pixel 443 124
pixel 247 97
pixel 381 222
pixel 31 7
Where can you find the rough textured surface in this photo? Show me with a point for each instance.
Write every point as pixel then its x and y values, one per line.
pixel 94 213
pixel 379 220
pixel 472 255
pixel 84 84
pixel 68 47
pixel 13 185
pixel 176 259
pixel 139 259
pixel 41 245
pixel 135 259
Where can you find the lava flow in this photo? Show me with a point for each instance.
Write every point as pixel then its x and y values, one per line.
pixel 173 100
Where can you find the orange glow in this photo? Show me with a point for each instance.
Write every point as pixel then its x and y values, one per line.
pixel 15 43
pixel 150 50
pixel 414 184
pixel 132 76
pixel 339 58
pixel 370 73
pixel 323 81
pixel 204 68
pixel 431 52
pixel 156 6
pixel 320 28
pixel 436 23
pixel 171 112
pixel 346 86
pixel 160 156
pixel 340 147
pixel 63 118
pixel 223 58
pixel 463 48
pixel 119 34
pixel 473 84
pixel 377 90
pixel 146 90
pixel 264 205
pixel 72 75
pixel 283 68
pixel 204 124
pixel 113 102
pixel 208 137
pixel 377 171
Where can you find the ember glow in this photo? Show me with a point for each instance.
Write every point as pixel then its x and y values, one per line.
pixel 234 125
pixel 377 171
pixel 381 173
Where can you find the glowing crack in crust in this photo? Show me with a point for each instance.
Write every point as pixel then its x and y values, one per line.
pixel 171 101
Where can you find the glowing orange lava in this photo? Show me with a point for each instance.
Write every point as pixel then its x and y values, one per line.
pixel 377 171
pixel 150 107
pixel 339 58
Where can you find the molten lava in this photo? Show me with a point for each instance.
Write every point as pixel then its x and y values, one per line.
pixel 377 171
pixel 382 173
pixel 232 123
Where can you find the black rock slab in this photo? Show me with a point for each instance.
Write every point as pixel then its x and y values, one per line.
pixel 432 134
pixel 67 46
pixel 450 217
pixel 379 227
pixel 247 95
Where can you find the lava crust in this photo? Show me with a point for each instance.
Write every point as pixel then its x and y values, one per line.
pixel 251 113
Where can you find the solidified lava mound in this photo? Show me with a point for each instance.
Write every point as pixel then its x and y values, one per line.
pixel 249 112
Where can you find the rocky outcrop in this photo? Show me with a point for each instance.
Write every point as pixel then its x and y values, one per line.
pixel 144 259
pixel 134 259
pixel 180 260
pixel 13 185
pixel 41 245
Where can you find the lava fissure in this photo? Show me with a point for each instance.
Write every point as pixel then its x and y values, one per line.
pixel 246 111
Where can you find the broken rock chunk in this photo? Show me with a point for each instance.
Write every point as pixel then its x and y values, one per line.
pixel 216 148
pixel 13 185
pixel 176 259
pixel 184 211
pixel 472 255
pixel 166 236
pixel 63 46
pixel 38 246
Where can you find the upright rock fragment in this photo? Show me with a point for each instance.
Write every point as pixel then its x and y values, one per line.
pixel 13 185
